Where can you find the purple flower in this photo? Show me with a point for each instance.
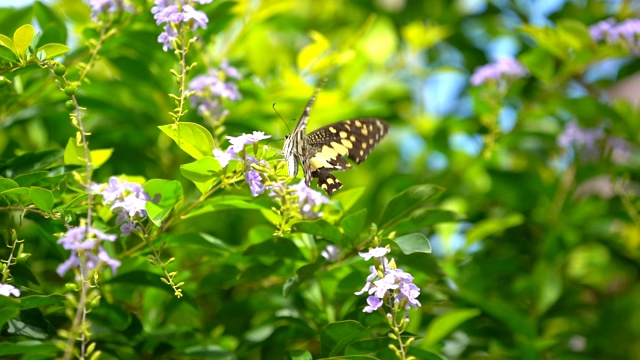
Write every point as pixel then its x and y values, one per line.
pixel 6 290
pixel 386 282
pixel 86 241
pixel 255 182
pixel 308 199
pixel 223 157
pixel 237 145
pixel 586 139
pixel 167 37
pixel 373 303
pixel 169 13
pixel 210 89
pixel 76 238
pixel 601 30
pixel 612 32
pixel 375 252
pixel 99 7
pixel 619 149
pixel 503 67
pixel 331 253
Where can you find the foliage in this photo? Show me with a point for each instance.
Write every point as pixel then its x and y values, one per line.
pixel 140 223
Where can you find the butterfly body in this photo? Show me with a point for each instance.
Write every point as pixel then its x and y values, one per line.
pixel 324 150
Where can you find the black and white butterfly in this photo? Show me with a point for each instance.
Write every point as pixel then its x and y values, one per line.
pixel 322 151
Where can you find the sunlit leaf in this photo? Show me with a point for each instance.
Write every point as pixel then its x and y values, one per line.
pixel 413 243
pixel 444 324
pixel 22 38
pixel 194 139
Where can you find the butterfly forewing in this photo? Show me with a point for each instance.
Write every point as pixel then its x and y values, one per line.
pixel 324 150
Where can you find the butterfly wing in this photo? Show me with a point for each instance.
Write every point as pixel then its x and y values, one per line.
pixel 327 147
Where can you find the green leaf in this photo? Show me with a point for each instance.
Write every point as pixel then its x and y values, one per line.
pixel 31 178
pixel 17 196
pixel 423 218
pixel 42 198
pixel 53 27
pixel 26 348
pixel 6 41
pixel 381 41
pixel 29 162
pixel 6 184
pixel 540 62
pixel 493 226
pixel 192 138
pixel 275 247
pixel 7 54
pixel 353 224
pixel 53 50
pixel 170 192
pixel 300 355
pixel 99 157
pixel 74 153
pixel 337 336
pixel 310 53
pixel 9 309
pixel 35 301
pixel 413 243
pixel 203 173
pixel 228 202
pixel 22 39
pixel 406 202
pixel 302 274
pixel 444 324
pixel 319 228
pixel 574 34
pixel 348 197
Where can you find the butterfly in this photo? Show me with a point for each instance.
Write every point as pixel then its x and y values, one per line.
pixel 323 151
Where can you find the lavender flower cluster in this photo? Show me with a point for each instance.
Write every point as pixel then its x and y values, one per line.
pixel 85 243
pixel 386 282
pixel 211 88
pixel 502 68
pixel 587 140
pixel 127 199
pixel 612 32
pixel 104 7
pixel 172 13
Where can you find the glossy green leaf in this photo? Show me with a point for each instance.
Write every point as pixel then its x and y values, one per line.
pixel 17 196
pixel 22 38
pixel 53 26
pixel 348 197
pixel 9 309
pixel 203 172
pixel 7 54
pixel 540 62
pixel 228 202
pixel 276 248
pixel 169 193
pixel 194 139
pixel 53 50
pixel 403 204
pixel 337 336
pixel 423 218
pixel 74 153
pixel 302 274
pixel 34 301
pixel 413 243
pixel 32 349
pixel 444 324
pixel 6 41
pixel 42 198
pixel 319 228
pixel 492 226
pixel 6 184
pixel 353 224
